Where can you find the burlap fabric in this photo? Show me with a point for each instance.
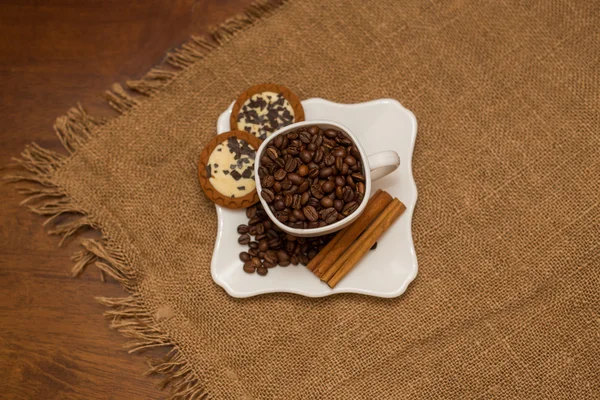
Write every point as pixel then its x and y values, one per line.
pixel 507 227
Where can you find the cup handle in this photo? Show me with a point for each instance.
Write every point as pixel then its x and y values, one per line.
pixel 383 163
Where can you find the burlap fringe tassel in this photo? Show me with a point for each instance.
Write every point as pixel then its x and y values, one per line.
pixel 38 166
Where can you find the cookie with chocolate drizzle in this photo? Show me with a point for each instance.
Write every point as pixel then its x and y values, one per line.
pixel 226 169
pixel 265 108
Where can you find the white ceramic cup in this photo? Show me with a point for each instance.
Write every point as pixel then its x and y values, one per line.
pixel 375 166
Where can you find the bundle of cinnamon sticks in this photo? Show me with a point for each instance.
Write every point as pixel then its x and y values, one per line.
pixel 347 248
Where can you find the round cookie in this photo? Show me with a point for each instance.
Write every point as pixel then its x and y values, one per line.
pixel 226 169
pixel 265 108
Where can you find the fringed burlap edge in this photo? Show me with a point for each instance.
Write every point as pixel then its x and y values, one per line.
pixel 39 166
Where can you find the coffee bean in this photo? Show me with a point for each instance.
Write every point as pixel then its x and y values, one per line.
pixel 242 229
pixel 253 245
pixel 262 271
pixel 374 246
pixel 348 194
pixel 305 137
pixel 345 141
pixel 354 152
pixel 316 191
pixel 339 192
pixel 356 167
pixel 292 135
pixel 349 208
pixel 271 256
pixel 284 263
pixel 350 182
pixel 359 197
pixel 256 261
pixel 338 205
pixel 272 153
pixel 328 186
pixel 249 267
pixel 253 252
pixel 350 160
pixel 282 216
pixel 244 239
pixel 303 170
pixel 304 186
pixel 262 172
pixel 329 159
pixel 266 161
pixel 319 154
pixel 325 172
pixel 291 165
pixel 313 130
pixel 244 256
pixel 279 205
pixel 313 173
pixel 269 264
pixel 358 177
pixel 311 147
pixel 263 245
pixel 275 243
pixel 305 156
pixel 286 184
pixel 283 255
pixel 292 150
pixel 260 228
pixel 360 187
pixel 340 181
pixel 277 187
pixel 280 163
pixel 326 202
pixel 291 190
pixel 261 236
pixel 267 181
pixel 345 169
pixel 296 201
pixel 278 141
pixel 329 215
pixel 295 178
pixel 299 215
pixel 313 202
pixel 339 152
pixel 303 259
pixel 331 134
pixel 251 212
pixel 339 162
pixel 267 195
pixel 310 213
pixel 280 174
pixel 287 200
pixel 304 198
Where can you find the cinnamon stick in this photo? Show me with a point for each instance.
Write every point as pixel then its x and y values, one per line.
pixel 366 241
pixel 375 206
pixel 315 262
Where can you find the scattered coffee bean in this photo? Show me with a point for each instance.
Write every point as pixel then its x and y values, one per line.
pixel 374 246
pixel 262 271
pixel 249 267
pixel 242 229
pixel 244 239
pixel 274 247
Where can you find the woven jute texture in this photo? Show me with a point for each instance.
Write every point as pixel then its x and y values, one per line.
pixel 507 226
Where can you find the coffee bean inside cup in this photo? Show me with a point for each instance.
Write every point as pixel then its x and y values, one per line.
pixel 312 177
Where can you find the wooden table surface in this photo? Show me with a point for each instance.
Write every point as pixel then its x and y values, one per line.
pixel 55 343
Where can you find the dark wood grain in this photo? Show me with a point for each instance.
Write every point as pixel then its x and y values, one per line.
pixel 55 344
